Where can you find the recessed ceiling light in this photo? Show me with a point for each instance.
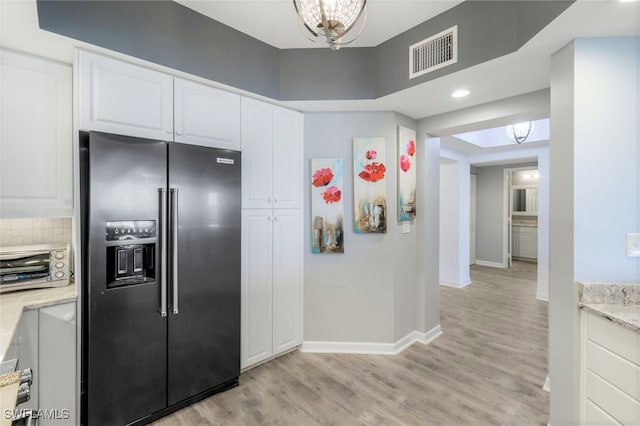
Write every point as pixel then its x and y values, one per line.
pixel 460 93
pixel 627 1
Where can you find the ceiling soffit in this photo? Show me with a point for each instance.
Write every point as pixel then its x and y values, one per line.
pixel 175 36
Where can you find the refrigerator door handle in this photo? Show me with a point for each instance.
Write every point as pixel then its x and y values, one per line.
pixel 174 250
pixel 163 252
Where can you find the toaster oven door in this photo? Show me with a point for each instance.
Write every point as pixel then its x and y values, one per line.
pixel 24 268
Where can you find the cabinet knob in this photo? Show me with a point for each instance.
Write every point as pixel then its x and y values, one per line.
pixel 179 133
pixel 269 218
pixel 275 200
pixel 275 218
pixel 169 131
pixel 269 200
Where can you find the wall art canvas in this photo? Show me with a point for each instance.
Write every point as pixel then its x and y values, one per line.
pixel 369 185
pixel 406 174
pixel 327 209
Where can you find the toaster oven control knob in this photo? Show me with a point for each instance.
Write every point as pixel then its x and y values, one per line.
pixel 59 265
pixel 59 255
pixel 59 274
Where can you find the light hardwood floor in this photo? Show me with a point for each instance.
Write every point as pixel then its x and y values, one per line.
pixel 487 368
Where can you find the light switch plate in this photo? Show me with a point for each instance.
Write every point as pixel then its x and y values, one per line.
pixel 633 244
pixel 406 227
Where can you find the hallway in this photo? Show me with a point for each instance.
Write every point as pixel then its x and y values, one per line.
pixel 487 368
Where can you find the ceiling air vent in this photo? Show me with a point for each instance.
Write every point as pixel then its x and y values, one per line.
pixel 434 53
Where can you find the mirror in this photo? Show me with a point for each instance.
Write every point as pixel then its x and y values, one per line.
pixel 524 201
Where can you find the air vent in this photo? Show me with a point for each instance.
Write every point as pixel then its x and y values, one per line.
pixel 434 53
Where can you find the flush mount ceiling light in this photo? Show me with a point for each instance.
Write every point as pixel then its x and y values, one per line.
pixel 519 132
pixel 330 19
pixel 460 93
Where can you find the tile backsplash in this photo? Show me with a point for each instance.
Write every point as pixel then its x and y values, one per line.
pixel 17 232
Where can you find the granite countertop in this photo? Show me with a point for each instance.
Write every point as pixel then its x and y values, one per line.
pixel 618 302
pixel 12 304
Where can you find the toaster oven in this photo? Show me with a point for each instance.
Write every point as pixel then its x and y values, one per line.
pixel 27 267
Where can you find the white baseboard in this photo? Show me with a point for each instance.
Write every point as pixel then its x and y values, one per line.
pixel 543 297
pixel 372 348
pixel 454 285
pixel 491 264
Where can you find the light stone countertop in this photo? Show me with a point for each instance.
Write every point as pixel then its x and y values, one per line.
pixel 12 304
pixel 618 302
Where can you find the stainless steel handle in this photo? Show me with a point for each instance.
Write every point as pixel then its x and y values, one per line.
pixel 174 249
pixel 163 252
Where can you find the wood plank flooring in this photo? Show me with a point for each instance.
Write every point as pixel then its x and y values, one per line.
pixel 487 368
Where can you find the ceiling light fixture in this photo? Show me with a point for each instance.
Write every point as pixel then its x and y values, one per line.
pixel 519 132
pixel 460 93
pixel 331 19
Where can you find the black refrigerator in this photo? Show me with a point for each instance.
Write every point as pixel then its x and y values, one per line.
pixel 160 225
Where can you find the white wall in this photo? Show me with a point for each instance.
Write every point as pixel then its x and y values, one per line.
pixel 594 158
pixel 454 223
pixel 428 228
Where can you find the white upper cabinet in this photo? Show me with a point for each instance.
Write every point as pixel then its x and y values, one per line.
pixel 121 98
pixel 287 158
pixel 272 140
pixel 206 116
pixel 36 137
pixel 257 152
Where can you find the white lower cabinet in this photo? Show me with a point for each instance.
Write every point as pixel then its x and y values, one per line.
pixel 525 242
pixel 45 341
pixel 57 364
pixel 271 283
pixel 610 372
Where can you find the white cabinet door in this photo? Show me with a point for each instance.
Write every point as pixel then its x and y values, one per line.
pixel 287 279
pixel 528 243
pixel 57 364
pixel 287 158
pixel 515 241
pixel 36 142
pixel 256 287
pixel 121 98
pixel 206 116
pixel 24 347
pixel 257 154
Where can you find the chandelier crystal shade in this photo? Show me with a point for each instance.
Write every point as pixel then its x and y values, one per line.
pixel 519 132
pixel 330 19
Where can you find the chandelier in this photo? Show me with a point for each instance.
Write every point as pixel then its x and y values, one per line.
pixel 519 132
pixel 330 19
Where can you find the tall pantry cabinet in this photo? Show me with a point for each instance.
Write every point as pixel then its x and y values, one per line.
pixel 272 139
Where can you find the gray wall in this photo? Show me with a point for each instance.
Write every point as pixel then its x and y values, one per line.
pixel 489 211
pixel 367 294
pixel 175 36
pixel 486 30
pixel 594 197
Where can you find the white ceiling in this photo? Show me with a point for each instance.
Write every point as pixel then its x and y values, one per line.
pixel 497 136
pixel 275 21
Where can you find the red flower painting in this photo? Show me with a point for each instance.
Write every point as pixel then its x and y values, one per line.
pixel 372 154
pixel 332 195
pixel 411 148
pixel 373 172
pixel 322 177
pixel 405 163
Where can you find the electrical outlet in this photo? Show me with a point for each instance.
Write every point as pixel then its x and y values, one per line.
pixel 406 227
pixel 633 244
